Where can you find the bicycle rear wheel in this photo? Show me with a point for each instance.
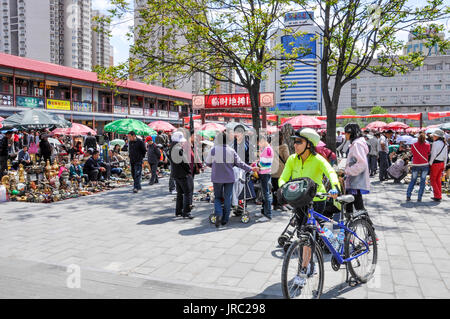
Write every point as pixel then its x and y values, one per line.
pixel 292 263
pixel 363 267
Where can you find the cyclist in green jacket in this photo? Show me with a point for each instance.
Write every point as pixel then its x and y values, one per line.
pixel 307 163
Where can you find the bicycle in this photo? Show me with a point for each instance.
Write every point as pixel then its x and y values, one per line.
pixel 298 283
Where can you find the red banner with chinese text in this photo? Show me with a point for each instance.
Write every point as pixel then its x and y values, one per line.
pixel 227 101
pixel 437 115
pixel 411 116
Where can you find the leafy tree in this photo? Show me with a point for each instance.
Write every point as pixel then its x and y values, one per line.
pixel 379 110
pixel 350 111
pixel 361 35
pixel 178 38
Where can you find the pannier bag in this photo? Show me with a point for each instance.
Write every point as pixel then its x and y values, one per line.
pixel 299 192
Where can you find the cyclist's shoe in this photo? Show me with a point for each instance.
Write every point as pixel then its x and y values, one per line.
pixel 300 279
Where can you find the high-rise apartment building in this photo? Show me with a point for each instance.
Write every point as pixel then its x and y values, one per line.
pixel 23 26
pixel 101 49
pixel 197 81
pixel 303 93
pixel 55 31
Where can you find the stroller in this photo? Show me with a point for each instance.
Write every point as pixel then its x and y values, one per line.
pixel 246 194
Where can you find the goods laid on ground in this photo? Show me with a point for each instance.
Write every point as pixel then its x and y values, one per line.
pixel 39 183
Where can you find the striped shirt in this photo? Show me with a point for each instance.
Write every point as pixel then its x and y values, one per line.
pixel 265 160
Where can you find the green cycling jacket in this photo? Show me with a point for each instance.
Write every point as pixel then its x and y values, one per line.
pixel 314 167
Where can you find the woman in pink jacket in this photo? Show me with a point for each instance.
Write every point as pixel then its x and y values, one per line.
pixel 357 181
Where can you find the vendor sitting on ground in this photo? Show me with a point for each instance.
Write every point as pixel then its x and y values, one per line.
pixel 114 163
pixel 23 158
pixel 399 169
pixel 92 168
pixel 76 171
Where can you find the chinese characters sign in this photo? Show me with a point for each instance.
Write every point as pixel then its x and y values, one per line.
pixel 227 101
pixel 58 105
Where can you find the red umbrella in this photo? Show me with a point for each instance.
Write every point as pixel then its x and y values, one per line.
pixel 271 129
pixel 377 125
pixel 413 130
pixel 305 121
pixel 75 130
pixel 162 126
pixel 396 126
pixel 432 126
pixel 212 127
pixel 197 125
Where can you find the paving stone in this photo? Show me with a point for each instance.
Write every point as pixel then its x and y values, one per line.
pixel 404 277
pixel 432 288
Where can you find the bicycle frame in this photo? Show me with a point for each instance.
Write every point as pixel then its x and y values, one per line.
pixel 312 215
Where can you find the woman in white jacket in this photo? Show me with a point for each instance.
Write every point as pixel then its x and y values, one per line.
pixel 357 182
pixel 438 161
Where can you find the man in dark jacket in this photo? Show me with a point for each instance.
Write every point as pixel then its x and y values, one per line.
pixel 90 142
pixel 4 146
pixel 182 173
pixel 45 149
pixel 153 157
pixel 92 167
pixel 136 152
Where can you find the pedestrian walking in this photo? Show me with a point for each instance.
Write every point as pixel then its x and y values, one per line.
pixel 5 143
pixel 182 174
pixel 222 158
pixel 136 152
pixel 373 155
pixel 90 142
pixel 281 155
pixel 265 170
pixel 45 149
pixel 153 157
pixel 357 182
pixel 383 154
pixel 420 167
pixel 438 161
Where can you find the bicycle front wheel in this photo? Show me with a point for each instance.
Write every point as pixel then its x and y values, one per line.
pixel 363 267
pixel 300 286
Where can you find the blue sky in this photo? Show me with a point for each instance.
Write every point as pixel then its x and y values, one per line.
pixel 121 44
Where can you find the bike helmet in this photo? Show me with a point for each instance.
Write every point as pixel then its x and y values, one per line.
pixel 354 131
pixel 308 134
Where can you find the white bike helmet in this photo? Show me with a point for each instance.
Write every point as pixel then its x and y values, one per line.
pixel 308 134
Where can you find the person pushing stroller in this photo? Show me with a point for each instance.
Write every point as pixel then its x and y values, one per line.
pixel 222 158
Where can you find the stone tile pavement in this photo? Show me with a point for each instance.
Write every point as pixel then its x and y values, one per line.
pixel 126 236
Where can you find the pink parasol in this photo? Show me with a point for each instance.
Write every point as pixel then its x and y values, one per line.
pixel 396 126
pixel 76 130
pixel 212 127
pixel 413 130
pixel 377 125
pixel 271 129
pixel 162 126
pixel 305 121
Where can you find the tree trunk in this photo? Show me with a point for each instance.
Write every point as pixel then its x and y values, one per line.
pixel 254 98
pixel 331 107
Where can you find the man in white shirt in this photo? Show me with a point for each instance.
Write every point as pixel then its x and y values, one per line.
pixel 383 152
pixel 373 155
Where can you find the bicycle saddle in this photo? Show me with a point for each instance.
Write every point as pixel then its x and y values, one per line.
pixel 346 199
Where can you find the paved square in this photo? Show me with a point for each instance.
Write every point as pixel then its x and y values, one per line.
pixel 134 241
